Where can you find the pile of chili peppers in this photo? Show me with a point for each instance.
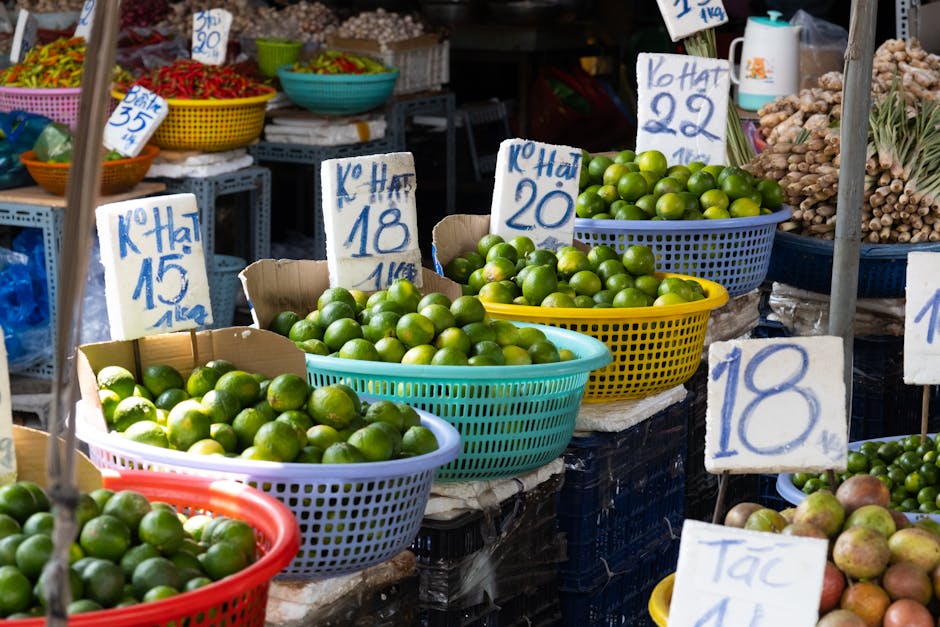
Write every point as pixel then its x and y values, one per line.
pixel 55 65
pixel 191 80
pixel 337 62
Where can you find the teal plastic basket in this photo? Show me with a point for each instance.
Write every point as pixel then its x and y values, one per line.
pixel 337 94
pixel 511 419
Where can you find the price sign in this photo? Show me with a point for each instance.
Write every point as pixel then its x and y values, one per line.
pixel 922 320
pixel 685 17
pixel 682 106
pixel 730 577
pixel 154 267
pixel 7 451
pixel 210 35
pixel 776 405
pixel 24 36
pixel 534 193
pixel 85 20
pixel 134 121
pixel 371 221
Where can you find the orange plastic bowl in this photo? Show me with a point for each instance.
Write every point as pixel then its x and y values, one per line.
pixel 117 176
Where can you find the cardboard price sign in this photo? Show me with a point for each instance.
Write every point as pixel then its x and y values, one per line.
pixel 210 36
pixel 534 192
pixel 25 35
pixel 371 220
pixel 682 106
pixel 154 266
pixel 730 577
pixel 134 121
pixel 85 19
pixel 922 320
pixel 7 451
pixel 685 17
pixel 776 405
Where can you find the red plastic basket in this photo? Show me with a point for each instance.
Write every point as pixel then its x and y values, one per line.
pixel 239 599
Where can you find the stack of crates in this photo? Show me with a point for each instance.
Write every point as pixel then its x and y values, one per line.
pixel 488 552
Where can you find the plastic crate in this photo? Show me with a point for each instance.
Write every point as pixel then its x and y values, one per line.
pixel 806 262
pixel 623 495
pixel 224 288
pixel 734 252
pixel 424 61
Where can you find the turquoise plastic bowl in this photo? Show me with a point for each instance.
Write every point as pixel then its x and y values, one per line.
pixel 336 94
pixel 511 419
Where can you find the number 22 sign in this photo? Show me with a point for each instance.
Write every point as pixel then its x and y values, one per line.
pixel 776 405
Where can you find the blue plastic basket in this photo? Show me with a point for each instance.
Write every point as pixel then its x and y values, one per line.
pixel 512 419
pixel 733 252
pixel 351 516
pixel 806 262
pixel 336 94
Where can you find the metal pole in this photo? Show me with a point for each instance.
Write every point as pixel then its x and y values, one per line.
pixel 856 102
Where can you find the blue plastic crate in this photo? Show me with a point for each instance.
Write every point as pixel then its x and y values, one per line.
pixel 623 494
pixel 806 262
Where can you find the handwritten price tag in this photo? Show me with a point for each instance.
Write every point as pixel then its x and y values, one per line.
pixel 85 19
pixel 682 106
pixel 7 452
pixel 776 405
pixel 685 17
pixel 210 35
pixel 922 320
pixel 154 267
pixel 134 121
pixel 370 220
pixel 729 577
pixel 534 193
pixel 24 36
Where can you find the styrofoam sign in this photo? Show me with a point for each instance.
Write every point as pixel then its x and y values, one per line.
pixel 7 451
pixel 776 405
pixel 134 121
pixel 685 17
pixel 730 577
pixel 154 265
pixel 85 20
pixel 922 320
pixel 210 36
pixel 24 35
pixel 534 192
pixel 682 106
pixel 371 221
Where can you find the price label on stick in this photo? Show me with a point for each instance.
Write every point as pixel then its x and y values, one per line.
pixel 371 220
pixel 134 121
pixel 776 405
pixel 685 17
pixel 730 577
pixel 154 266
pixel 25 35
pixel 922 320
pixel 534 192
pixel 85 20
pixel 682 106
pixel 210 35
pixel 7 452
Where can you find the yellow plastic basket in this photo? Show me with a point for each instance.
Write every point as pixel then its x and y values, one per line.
pixel 653 348
pixel 211 125
pixel 660 600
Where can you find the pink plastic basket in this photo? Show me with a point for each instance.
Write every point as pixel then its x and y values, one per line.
pixel 60 105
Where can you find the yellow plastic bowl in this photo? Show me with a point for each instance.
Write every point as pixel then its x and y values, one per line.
pixel 660 599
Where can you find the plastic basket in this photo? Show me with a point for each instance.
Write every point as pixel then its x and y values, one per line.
pixel 276 52
pixel 351 516
pixel 806 262
pixel 733 252
pixel 653 348
pixel 239 599
pixel 117 176
pixel 336 94
pixel 224 288
pixel 660 600
pixel 211 125
pixel 59 105
pixel 511 419
pixel 424 61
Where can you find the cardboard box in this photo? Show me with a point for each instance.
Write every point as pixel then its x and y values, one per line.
pixel 32 446
pixel 276 285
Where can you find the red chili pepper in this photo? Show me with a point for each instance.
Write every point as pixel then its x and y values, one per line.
pixel 188 79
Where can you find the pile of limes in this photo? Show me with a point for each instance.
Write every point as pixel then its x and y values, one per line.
pixel 518 273
pixel 220 410
pixel 643 186
pixel 128 550
pixel 909 467
pixel 399 325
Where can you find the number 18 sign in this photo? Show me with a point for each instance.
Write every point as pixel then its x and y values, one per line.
pixel 776 405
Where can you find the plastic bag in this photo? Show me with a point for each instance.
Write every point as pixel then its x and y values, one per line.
pixel 25 320
pixel 18 132
pixel 822 47
pixel 54 144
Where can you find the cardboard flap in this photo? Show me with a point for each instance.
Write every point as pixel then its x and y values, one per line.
pixel 32 453
pixel 458 233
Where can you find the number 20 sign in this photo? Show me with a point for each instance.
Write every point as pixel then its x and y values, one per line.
pixel 776 405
